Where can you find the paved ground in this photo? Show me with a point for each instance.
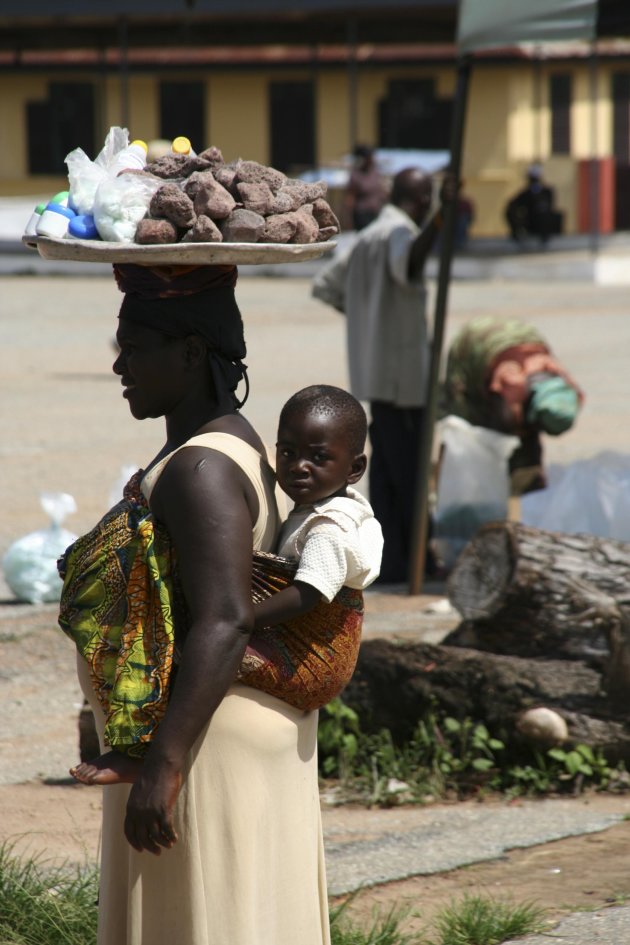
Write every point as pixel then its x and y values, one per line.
pixel 66 428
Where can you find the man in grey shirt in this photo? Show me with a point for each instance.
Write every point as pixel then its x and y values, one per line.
pixel 378 283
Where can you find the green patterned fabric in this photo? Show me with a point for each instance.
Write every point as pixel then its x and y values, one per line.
pixel 117 606
pixel 469 358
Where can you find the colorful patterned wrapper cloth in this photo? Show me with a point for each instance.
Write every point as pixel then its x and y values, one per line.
pixel 121 602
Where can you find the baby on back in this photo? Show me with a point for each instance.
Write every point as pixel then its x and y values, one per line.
pixel 306 635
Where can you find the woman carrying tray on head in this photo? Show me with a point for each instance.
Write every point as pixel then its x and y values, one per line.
pixel 228 792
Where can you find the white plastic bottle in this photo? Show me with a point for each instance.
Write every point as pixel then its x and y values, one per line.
pixel 31 226
pixel 133 157
pixel 182 145
pixel 55 220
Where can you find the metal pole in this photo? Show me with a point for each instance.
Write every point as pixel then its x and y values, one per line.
pixel 420 512
pixel 594 180
pixel 537 149
pixel 124 71
pixel 353 82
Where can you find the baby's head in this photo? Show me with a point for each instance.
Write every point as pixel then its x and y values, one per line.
pixel 321 438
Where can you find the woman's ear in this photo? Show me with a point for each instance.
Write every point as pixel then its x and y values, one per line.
pixel 195 351
pixel 359 465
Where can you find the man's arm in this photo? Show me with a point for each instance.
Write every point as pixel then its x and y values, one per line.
pixel 423 244
pixel 329 285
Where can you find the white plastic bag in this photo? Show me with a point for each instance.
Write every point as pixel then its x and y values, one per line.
pixel 120 203
pixel 473 486
pixel 590 496
pixel 30 564
pixel 84 175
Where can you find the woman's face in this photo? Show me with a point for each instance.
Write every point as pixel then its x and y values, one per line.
pixel 151 368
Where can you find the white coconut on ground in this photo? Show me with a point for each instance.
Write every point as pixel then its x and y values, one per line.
pixel 543 726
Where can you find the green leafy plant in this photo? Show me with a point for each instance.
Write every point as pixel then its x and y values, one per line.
pixel 338 738
pixel 581 761
pixel 445 755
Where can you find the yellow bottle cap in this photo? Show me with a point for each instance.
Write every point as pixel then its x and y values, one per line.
pixel 142 143
pixel 181 145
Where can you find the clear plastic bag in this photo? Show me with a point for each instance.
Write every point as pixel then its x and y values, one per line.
pixel 473 486
pixel 120 203
pixel 85 175
pixel 30 564
pixel 590 496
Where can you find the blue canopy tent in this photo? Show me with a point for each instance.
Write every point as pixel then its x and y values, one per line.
pixel 483 25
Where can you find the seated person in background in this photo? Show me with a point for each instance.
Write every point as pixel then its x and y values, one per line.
pixel 366 193
pixel 531 211
pixel 501 375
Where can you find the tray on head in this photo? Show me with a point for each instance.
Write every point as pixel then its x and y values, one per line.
pixel 176 254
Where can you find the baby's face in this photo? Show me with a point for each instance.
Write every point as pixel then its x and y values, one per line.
pixel 313 461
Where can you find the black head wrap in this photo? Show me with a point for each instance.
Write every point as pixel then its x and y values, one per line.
pixel 180 301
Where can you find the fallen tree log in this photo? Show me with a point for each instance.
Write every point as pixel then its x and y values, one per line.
pixel 526 592
pixel 397 684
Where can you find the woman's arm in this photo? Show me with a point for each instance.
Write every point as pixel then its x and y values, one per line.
pixel 290 602
pixel 202 500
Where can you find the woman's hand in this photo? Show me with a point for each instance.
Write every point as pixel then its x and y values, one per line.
pixel 149 819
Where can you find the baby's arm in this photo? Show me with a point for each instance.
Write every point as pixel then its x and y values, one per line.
pixel 292 601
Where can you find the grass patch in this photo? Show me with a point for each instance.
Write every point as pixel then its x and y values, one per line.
pixel 481 920
pixel 385 929
pixel 42 905
pixel 472 920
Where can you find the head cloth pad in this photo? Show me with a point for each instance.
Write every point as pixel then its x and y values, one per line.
pixel 190 300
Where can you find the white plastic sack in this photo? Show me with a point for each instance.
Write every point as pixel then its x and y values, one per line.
pixel 120 203
pixel 474 483
pixel 84 175
pixel 30 564
pixel 591 496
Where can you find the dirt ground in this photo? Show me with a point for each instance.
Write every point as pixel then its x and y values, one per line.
pixel 69 430
pixel 579 873
pixel 61 822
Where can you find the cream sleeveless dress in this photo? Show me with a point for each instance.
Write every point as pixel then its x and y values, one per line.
pixel 248 868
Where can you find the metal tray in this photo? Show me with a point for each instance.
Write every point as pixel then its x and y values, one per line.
pixel 173 254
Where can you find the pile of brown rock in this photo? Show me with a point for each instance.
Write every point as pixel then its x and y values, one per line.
pixel 205 200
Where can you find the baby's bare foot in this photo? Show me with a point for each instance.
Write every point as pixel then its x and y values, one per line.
pixel 111 768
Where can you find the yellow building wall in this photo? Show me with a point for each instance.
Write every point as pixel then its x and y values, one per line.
pixel 143 120
pixel 16 91
pixel 332 117
pixel 485 168
pixel 239 115
pixel 508 121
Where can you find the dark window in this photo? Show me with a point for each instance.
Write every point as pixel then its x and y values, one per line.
pixel 292 119
pixel 411 116
pixel 58 125
pixel 621 117
pixel 560 93
pixel 182 112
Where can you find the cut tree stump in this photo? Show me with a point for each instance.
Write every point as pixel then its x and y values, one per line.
pixel 397 684
pixel 526 592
